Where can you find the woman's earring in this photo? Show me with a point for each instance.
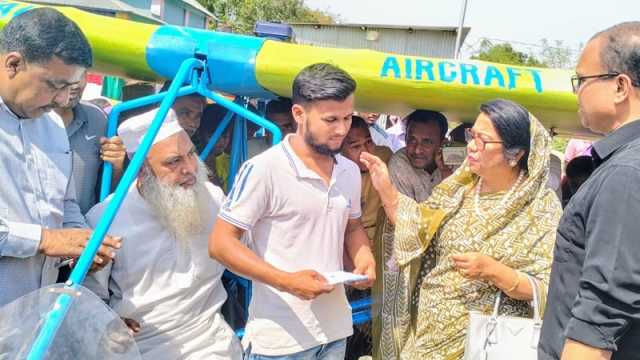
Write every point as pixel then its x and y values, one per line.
pixel 513 163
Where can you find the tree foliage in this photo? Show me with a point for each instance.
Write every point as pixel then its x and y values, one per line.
pixel 505 54
pixel 557 55
pixel 240 16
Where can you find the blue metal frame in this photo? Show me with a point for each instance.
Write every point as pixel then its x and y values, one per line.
pixel 217 135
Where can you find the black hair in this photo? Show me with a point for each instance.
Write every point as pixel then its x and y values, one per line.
pixel 621 51
pixel 358 122
pixel 212 116
pixel 42 33
pixel 167 85
pixel 512 123
pixel 322 81
pixel 427 116
pixel 458 133
pixel 279 106
pixel 579 166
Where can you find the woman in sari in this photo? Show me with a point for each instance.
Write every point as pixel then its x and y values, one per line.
pixel 485 229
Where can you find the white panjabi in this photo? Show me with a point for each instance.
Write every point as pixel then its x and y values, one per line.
pixel 175 294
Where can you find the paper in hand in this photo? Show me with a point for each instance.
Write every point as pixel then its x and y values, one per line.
pixel 343 277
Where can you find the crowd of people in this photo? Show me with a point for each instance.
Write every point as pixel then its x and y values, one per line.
pixel 367 193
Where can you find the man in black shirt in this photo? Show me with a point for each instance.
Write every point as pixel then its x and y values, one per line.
pixel 593 308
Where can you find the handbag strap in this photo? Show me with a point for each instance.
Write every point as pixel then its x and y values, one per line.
pixel 536 298
pixel 535 302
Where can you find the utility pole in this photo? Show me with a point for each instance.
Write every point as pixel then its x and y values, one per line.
pixel 463 13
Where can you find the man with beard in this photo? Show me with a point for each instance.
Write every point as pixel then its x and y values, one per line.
pixel 300 201
pixel 417 168
pixel 163 283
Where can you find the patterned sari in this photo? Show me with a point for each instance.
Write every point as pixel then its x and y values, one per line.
pixel 423 301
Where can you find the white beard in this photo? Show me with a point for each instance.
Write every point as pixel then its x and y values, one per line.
pixel 181 210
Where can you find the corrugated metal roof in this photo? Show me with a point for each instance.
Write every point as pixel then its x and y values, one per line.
pixel 101 5
pixel 417 41
pixel 465 29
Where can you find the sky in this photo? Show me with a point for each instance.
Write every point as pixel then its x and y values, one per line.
pixel 517 21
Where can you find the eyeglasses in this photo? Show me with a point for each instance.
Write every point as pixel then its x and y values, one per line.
pixel 577 80
pixel 469 135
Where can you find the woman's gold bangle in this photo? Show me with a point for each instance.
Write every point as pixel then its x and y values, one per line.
pixel 515 286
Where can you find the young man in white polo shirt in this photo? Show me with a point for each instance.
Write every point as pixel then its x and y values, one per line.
pixel 300 201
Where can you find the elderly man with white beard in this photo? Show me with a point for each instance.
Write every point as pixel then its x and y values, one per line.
pixel 162 281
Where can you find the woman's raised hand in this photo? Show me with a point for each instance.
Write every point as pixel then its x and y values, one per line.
pixel 378 171
pixel 382 183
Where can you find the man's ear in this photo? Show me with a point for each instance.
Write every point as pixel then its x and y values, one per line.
pixel 145 170
pixel 142 173
pixel 14 63
pixel 624 88
pixel 299 113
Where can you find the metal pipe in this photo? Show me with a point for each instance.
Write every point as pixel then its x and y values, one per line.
pixel 463 13
pixel 245 113
pixel 217 135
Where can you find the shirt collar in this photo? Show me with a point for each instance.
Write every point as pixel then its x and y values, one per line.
pixel 604 148
pixel 379 130
pixel 399 129
pixel 301 170
pixel 4 107
pixel 78 120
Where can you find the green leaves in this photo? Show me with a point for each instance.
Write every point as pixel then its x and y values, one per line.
pixel 557 55
pixel 240 16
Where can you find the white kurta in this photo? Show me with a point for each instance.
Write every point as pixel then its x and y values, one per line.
pixel 174 294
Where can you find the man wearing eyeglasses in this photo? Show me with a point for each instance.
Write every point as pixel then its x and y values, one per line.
pixel 593 308
pixel 417 168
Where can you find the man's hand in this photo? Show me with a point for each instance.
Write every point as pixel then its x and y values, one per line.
pixel 474 265
pixel 366 268
pixel 358 249
pixel 113 151
pixel 134 326
pixel 71 243
pixel 378 171
pixel 306 284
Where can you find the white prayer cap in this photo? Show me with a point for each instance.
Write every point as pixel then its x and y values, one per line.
pixel 133 130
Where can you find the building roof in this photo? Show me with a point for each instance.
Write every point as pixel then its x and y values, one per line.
pixel 465 29
pixel 102 5
pixel 196 5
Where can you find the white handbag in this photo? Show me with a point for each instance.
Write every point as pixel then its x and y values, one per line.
pixel 495 337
